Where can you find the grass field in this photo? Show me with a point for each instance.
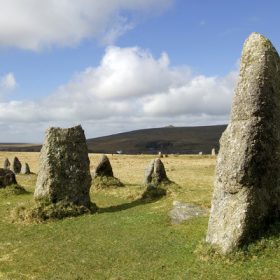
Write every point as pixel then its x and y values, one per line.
pixel 127 239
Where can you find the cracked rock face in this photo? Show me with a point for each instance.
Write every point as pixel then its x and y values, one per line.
pixel 247 182
pixel 64 169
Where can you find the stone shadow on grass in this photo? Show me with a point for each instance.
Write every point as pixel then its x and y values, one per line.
pixel 128 205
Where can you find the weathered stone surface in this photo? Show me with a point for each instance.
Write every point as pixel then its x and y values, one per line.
pixel 7 178
pixel 6 164
pixel 16 165
pixel 155 173
pixel 149 173
pixel 247 182
pixel 25 169
pixel 159 172
pixel 104 167
pixel 213 152
pixel 185 211
pixel 64 173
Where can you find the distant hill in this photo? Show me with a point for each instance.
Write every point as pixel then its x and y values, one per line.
pixel 183 140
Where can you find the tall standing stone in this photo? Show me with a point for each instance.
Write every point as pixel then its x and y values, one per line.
pixel 247 183
pixel 64 169
pixel 16 165
pixel 6 164
pixel 213 152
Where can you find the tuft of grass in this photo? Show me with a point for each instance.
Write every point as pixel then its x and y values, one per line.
pixel 12 190
pixel 104 182
pixel 42 212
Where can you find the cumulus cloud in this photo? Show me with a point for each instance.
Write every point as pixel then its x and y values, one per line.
pixel 33 24
pixel 7 84
pixel 129 89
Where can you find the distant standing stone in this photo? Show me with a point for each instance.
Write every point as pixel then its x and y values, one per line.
pixel 247 181
pixel 25 169
pixel 155 173
pixel 200 153
pixel 213 152
pixel 149 172
pixel 64 173
pixel 16 165
pixel 104 167
pixel 159 171
pixel 6 164
pixel 7 178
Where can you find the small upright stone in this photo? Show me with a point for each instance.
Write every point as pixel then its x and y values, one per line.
pixel 159 172
pixel 247 182
pixel 213 152
pixel 64 173
pixel 16 165
pixel 200 153
pixel 149 172
pixel 104 176
pixel 155 173
pixel 104 167
pixel 25 169
pixel 6 164
pixel 7 178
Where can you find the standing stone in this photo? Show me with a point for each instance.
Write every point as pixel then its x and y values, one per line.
pixel 25 169
pixel 64 173
pixel 104 167
pixel 149 173
pixel 200 153
pixel 7 178
pixel 16 165
pixel 155 173
pixel 247 182
pixel 160 154
pixel 159 172
pixel 213 152
pixel 6 164
pixel 104 176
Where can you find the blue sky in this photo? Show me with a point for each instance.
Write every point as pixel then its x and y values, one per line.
pixel 122 64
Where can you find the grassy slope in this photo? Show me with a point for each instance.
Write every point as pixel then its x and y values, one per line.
pixel 130 240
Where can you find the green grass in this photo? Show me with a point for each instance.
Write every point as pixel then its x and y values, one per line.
pixel 129 238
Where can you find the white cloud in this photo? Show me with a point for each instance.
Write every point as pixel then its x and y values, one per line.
pixel 34 24
pixel 8 82
pixel 129 89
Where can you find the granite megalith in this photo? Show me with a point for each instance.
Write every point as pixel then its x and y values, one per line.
pixel 64 168
pixel 246 196
pixel 15 165
pixel 6 164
